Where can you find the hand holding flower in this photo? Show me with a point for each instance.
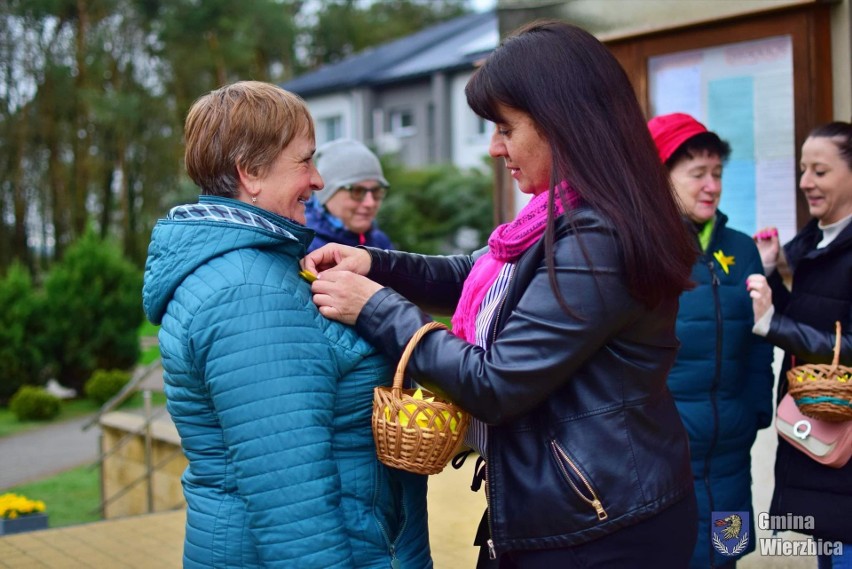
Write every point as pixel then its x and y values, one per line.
pixel 336 257
pixel 769 248
pixel 341 295
pixel 760 293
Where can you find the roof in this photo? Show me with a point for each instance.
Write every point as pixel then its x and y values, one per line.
pixel 450 45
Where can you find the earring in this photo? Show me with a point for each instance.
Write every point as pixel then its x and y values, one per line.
pixel 254 199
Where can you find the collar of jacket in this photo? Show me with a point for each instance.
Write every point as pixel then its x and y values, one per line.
pixel 302 233
pixel 805 242
pixel 719 221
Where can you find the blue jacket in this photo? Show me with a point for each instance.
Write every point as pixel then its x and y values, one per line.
pixel 272 403
pixel 330 229
pixel 722 381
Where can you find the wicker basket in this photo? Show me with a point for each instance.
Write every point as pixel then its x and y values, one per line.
pixel 417 435
pixel 823 391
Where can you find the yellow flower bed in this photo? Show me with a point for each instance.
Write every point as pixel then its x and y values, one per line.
pixel 14 505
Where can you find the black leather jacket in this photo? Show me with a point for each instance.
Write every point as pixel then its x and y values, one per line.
pixel 803 325
pixel 584 437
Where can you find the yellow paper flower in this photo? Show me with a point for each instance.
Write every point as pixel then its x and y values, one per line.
pixel 307 275
pixel 724 261
pixel 422 416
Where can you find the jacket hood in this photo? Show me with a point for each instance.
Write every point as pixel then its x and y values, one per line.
pixel 193 234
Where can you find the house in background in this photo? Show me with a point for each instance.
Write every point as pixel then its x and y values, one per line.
pixel 406 97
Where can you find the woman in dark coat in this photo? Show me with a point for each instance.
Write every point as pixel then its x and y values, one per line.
pixel 722 378
pixel 564 329
pixel 801 321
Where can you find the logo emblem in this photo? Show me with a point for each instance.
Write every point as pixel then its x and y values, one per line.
pixel 729 532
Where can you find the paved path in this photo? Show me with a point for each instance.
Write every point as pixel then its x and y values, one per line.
pixel 46 451
pixel 56 447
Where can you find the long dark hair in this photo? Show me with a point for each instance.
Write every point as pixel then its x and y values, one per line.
pixel 841 134
pixel 583 104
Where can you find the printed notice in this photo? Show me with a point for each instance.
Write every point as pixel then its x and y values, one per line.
pixel 743 92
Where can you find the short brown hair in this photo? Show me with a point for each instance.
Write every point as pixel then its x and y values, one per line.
pixel 247 123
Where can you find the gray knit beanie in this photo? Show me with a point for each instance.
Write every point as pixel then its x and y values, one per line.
pixel 345 161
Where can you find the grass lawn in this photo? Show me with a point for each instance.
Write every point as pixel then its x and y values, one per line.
pixel 444 320
pixel 72 497
pixel 149 354
pixel 148 329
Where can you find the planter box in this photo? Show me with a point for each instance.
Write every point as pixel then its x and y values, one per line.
pixel 30 522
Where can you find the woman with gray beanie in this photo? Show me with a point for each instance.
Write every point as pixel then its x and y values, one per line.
pixel 344 211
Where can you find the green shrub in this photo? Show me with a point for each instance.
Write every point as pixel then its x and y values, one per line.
pixel 105 384
pixel 93 311
pixel 426 208
pixel 21 359
pixel 34 404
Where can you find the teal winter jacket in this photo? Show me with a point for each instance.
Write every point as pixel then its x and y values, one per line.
pixel 272 403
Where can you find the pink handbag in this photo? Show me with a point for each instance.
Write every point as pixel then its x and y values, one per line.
pixel 827 443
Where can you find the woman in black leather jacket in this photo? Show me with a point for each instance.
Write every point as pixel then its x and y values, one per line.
pixel 563 332
pixel 801 321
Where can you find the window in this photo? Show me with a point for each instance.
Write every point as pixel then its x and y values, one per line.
pixel 483 127
pixel 402 123
pixel 329 128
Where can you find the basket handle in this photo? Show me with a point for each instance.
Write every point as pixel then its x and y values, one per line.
pixel 409 349
pixel 836 359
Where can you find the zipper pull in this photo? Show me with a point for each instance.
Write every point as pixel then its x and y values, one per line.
pixel 492 553
pixel 395 564
pixel 602 515
pixel 714 277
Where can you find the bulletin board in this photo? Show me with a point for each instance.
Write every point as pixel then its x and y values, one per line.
pixel 734 74
pixel 744 92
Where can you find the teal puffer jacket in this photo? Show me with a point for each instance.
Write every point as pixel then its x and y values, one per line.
pixel 272 403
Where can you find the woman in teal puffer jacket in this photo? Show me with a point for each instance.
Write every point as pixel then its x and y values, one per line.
pixel 271 400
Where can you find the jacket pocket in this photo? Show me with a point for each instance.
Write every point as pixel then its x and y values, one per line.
pixel 577 481
pixel 389 509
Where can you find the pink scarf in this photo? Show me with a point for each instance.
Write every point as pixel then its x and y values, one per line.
pixel 506 244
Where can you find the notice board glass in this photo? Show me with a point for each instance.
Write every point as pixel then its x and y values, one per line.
pixel 743 92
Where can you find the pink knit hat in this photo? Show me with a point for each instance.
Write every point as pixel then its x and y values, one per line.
pixel 672 130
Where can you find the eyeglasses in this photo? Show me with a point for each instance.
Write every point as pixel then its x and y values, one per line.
pixel 359 192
